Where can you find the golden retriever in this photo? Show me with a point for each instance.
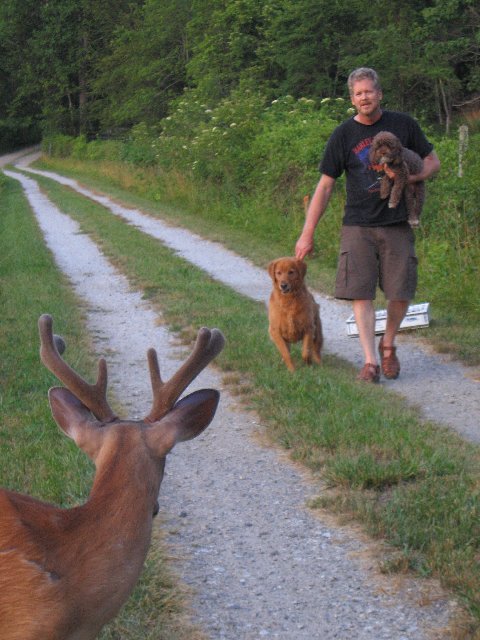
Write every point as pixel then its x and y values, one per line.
pixel 293 313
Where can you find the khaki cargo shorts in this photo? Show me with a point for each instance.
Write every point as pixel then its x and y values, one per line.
pixel 371 256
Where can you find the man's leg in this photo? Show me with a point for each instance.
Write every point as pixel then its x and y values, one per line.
pixel 357 277
pixel 396 311
pixel 364 313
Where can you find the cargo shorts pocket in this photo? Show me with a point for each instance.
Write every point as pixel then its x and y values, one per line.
pixel 342 274
pixel 412 276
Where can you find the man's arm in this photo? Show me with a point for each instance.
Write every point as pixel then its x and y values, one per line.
pixel 315 211
pixel 431 165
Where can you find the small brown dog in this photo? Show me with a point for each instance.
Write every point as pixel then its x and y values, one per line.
pixel 292 312
pixel 386 149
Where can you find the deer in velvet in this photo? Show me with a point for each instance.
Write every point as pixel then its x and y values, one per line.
pixel 64 573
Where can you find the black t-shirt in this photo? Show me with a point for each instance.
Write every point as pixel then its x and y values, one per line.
pixel 347 150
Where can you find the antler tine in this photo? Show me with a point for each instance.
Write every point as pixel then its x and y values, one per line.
pixel 94 397
pixel 209 343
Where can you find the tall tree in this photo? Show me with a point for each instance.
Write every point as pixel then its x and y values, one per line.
pixel 20 102
pixel 224 37
pixel 81 66
pixel 146 67
pixel 53 48
pixel 73 39
pixel 306 42
pixel 427 53
pixel 452 53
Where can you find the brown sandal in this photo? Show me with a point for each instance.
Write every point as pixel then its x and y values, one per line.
pixel 369 373
pixel 390 362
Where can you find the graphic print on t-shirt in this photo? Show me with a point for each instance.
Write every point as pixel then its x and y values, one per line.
pixel 372 176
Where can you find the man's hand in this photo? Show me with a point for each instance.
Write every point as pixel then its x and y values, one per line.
pixel 431 164
pixel 304 246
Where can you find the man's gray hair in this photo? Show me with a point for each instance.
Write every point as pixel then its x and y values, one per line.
pixel 363 73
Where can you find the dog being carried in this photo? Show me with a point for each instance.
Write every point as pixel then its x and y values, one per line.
pixel 293 313
pixel 386 149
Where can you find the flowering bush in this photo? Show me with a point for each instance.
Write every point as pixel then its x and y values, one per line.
pixel 287 150
pixel 210 143
pixel 221 150
pixel 247 144
pixel 173 147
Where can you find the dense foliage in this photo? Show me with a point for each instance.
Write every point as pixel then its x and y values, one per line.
pixel 83 67
pixel 247 162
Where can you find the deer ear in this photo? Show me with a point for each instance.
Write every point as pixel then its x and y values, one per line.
pixel 75 420
pixel 188 418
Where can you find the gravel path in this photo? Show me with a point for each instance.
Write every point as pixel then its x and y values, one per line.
pixel 261 564
pixel 445 391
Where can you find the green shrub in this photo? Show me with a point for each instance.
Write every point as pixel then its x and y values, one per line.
pixel 286 151
pixel 173 147
pixel 58 145
pixel 139 148
pixel 105 150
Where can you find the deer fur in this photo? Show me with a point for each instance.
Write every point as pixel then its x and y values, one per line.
pixel 64 573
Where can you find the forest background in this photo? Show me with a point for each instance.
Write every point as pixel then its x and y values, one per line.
pixel 222 107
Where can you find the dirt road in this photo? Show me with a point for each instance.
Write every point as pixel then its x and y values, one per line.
pixel 261 564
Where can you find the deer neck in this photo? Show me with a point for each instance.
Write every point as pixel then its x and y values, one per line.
pixel 126 484
pixel 105 541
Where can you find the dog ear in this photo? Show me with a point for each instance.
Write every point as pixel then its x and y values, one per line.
pixel 271 269
pixel 302 268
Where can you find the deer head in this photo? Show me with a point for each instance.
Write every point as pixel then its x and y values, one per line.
pixel 64 573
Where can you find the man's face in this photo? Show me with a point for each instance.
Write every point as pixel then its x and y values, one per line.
pixel 366 98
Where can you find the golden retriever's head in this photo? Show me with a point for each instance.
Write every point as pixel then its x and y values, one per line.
pixel 386 148
pixel 287 274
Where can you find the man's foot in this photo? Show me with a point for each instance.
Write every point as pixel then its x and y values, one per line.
pixel 389 360
pixel 369 373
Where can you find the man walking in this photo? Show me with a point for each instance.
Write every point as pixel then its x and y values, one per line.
pixel 377 243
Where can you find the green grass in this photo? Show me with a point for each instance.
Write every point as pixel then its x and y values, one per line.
pixel 411 482
pixel 36 458
pixel 448 275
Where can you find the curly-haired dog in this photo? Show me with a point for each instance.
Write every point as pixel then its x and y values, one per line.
pixel 292 312
pixel 386 149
